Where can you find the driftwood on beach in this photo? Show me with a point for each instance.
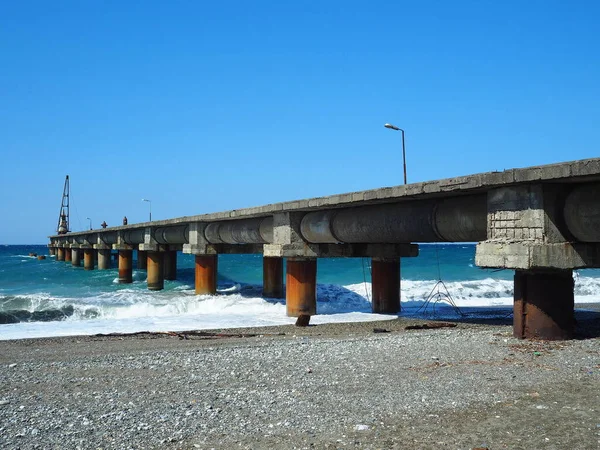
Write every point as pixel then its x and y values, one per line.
pixel 188 334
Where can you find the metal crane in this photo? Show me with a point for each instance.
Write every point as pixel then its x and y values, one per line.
pixel 63 215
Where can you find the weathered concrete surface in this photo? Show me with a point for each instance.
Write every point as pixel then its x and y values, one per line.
pixel 532 255
pixel 568 172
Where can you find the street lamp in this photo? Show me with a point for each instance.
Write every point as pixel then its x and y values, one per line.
pixel 150 202
pixel 395 128
pixel 90 222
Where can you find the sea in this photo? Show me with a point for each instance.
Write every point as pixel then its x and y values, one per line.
pixel 48 298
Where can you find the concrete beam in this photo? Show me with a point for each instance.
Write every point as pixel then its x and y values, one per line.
pixel 535 255
pixel 340 250
pixel 583 171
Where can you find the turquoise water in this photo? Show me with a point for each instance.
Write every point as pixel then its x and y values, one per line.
pixel 49 291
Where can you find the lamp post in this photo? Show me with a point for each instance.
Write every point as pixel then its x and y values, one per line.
pixel 90 222
pixel 150 204
pixel 395 128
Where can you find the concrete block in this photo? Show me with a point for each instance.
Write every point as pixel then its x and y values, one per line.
pixel 528 174
pixel 357 196
pixel 429 187
pixel 399 191
pixel 199 249
pixel 385 193
pixel 585 167
pixel 370 195
pixel 497 178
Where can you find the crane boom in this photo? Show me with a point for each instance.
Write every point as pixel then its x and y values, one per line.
pixel 63 215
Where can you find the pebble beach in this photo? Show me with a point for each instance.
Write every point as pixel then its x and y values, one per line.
pixel 358 385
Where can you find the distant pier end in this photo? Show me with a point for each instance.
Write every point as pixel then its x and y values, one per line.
pixel 543 222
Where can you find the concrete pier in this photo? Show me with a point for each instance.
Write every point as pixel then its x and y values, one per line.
pixel 206 274
pixel 385 285
pixel 301 287
pixel 543 306
pixel 125 266
pixel 67 254
pixel 103 259
pixel 75 257
pixel 170 265
pixel 156 277
pixel 89 258
pixel 142 260
pixel 272 277
pixel 536 220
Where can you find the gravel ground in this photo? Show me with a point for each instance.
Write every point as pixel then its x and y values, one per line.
pixel 326 386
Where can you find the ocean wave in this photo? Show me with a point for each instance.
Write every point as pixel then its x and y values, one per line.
pixel 246 299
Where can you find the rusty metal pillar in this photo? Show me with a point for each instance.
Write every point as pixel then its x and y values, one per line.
pixel 60 253
pixel 272 277
pixel 170 265
pixel 75 257
pixel 142 260
pixel 125 266
pixel 89 258
pixel 385 285
pixel 301 287
pixel 206 274
pixel 67 255
pixel 544 306
pixel 103 259
pixel 156 276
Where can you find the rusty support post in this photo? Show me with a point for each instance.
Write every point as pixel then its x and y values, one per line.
pixel 301 287
pixel 544 305
pixel 156 276
pixel 125 266
pixel 68 255
pixel 60 254
pixel 75 257
pixel 103 259
pixel 206 274
pixel 272 277
pixel 170 265
pixel 89 258
pixel 385 285
pixel 142 260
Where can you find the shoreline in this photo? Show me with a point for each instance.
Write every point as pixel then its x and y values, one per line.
pixel 325 386
pixel 475 315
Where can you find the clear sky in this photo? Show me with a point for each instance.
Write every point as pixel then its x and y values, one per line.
pixel 208 106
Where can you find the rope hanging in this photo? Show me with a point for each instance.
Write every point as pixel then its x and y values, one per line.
pixel 440 292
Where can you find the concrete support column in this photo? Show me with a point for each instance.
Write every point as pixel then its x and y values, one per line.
pixel 103 259
pixel 272 277
pixel 301 287
pixel 75 257
pixel 125 266
pixel 142 260
pixel 60 253
pixel 89 258
pixel 67 255
pixel 156 278
pixel 206 274
pixel 544 306
pixel 170 262
pixel 385 284
pixel 52 251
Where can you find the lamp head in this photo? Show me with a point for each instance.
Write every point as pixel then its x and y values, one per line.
pixel 391 127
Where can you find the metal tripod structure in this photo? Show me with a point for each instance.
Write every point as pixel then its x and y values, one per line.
pixel 63 216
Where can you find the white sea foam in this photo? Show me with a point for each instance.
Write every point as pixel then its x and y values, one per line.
pixel 130 309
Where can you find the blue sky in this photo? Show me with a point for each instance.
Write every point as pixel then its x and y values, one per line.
pixel 209 106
